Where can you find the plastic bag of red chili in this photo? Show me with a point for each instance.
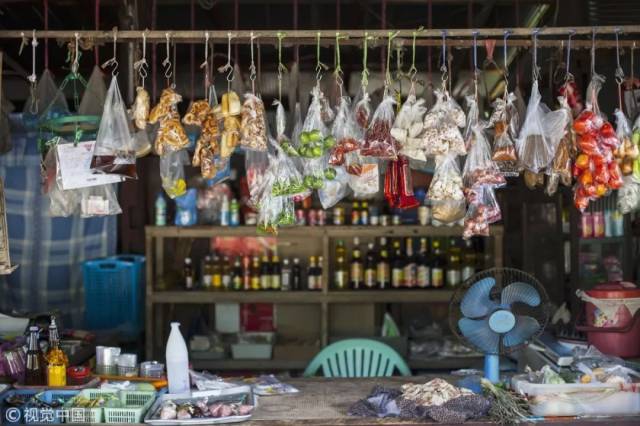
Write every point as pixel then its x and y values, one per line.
pixel 345 132
pixel 378 141
pixel 362 111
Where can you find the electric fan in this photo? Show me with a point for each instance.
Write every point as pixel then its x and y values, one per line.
pixel 497 312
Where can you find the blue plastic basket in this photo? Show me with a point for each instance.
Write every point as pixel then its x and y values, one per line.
pixel 33 415
pixel 113 294
pixel 138 262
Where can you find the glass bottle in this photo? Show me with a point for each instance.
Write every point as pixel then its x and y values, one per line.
pixel 438 263
pixel 311 273
pixel 410 267
pixel 188 274
pixel 454 264
pixel 423 275
pixel 207 273
pixel 275 273
pixel 234 213
pixel 356 273
pixel 370 281
pixel 296 275
pixel 226 273
pixel 318 271
pixel 161 210
pixel 216 273
pixel 285 275
pixel 246 273
pixel 237 275
pixel 57 360
pixel 364 213
pixel 34 374
pixel 355 213
pixel 382 270
pixel 340 249
pixel 397 266
pixel 265 273
pixel 255 273
pixel 468 260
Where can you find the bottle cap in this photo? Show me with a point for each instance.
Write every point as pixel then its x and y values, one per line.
pixel 187 260
pixel 175 324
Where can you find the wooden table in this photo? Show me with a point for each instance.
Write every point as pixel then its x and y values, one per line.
pixel 326 401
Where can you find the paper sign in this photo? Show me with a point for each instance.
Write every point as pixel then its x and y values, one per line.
pixel 74 166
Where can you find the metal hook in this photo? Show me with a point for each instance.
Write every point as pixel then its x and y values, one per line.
pixel 535 69
pixel 167 60
pixel 619 73
pixel 568 75
pixel 141 66
pixel 506 33
pixel 76 60
pixel 113 61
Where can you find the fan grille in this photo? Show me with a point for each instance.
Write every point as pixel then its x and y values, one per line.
pixel 503 277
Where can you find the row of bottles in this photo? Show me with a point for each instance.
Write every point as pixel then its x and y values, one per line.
pixel 48 369
pixel 254 273
pixel 388 266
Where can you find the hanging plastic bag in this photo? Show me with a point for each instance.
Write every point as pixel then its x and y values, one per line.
pixel 635 139
pixel 229 111
pixel 253 126
pixel 141 108
pixel 95 94
pixel 479 168
pixel 172 172
pixel 362 111
pixel 286 179
pixel 378 141
pixel 441 134
pixel 114 151
pixel 398 186
pixel 171 135
pixel 560 171
pixel 540 133
pixel 315 143
pixel 61 203
pixel 256 164
pixel 218 171
pixel 100 200
pixel 445 192
pixel 186 208
pixel 201 114
pixel 408 127
pixel 44 103
pixel 483 211
pixel 473 120
pixel 345 132
pixel 629 196
pixel 366 184
pixel 505 123
pixel 334 190
pixel 627 151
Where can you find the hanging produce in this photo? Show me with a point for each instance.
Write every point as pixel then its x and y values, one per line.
pixel 627 151
pixel 442 126
pixel 479 167
pixel 560 169
pixel 408 127
pixel 483 211
pixel 378 141
pixel 346 135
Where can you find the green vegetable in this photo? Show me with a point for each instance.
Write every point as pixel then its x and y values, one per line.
pixel 315 136
pixel 330 173
pixel 304 138
pixel 329 142
pixel 635 138
pixel 308 181
pixel 316 152
pixel 507 407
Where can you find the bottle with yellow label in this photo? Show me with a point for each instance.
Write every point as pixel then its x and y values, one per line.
pixel 57 361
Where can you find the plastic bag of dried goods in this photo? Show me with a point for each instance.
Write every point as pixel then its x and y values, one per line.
pixel 114 150
pixel 101 200
pixel 362 112
pixel 256 164
pixel 95 94
pixel 172 172
pixel 345 132
pixel 505 123
pixel 378 141
pixel 441 134
pixel 141 108
pixel 473 120
pixel 483 211
pixel 366 183
pixel 408 127
pixel 560 170
pixel 479 168
pixel 335 189
pixel 627 151
pixel 629 196
pixel 253 125
pixel 445 192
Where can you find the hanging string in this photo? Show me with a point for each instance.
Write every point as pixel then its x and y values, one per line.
pixel 175 66
pixel 167 60
pixel 413 71
pixel 192 50
pixel 364 76
pixel 568 76
pixel 259 67
pixel 114 60
pixel 475 64
pixel 76 58
pixel 619 71
pixel 631 76
pixel 430 25
pixel 228 68
pixel 46 40
pixel 96 49
pixel 141 66
pixel 281 68
pixel 387 79
pixel 505 54
pixel 205 65
pixel 338 68
pixel 252 66
pixel 535 69
pixel 319 65
pixel 443 66
pixel 593 52
pixel 154 53
pixel 33 108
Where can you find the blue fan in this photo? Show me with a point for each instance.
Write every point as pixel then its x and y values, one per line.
pixel 498 311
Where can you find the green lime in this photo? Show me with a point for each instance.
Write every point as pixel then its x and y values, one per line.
pixel 329 142
pixel 330 173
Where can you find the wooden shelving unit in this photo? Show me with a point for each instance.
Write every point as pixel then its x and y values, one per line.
pixel 320 238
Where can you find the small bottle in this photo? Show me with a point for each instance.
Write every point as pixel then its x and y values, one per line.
pixel 370 281
pixel 341 274
pixel 296 275
pixel 207 273
pixel 454 264
pixel 410 266
pixel 57 361
pixel 234 213
pixel 311 273
pixel 237 275
pixel 423 274
pixel 255 273
pixel 319 275
pixel 177 358
pixel 226 273
pixel 382 270
pixel 437 265
pixel 355 213
pixel 35 373
pixel 265 273
pixel 216 274
pixel 285 275
pixel 397 267
pixel 356 274
pixel 224 212
pixel 364 213
pixel 161 210
pixel 188 274
pixel 276 284
pixel 246 273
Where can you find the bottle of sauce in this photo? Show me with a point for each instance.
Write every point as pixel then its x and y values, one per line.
pixel 364 213
pixel 57 360
pixel 188 274
pixel 341 274
pixel 423 275
pixel 311 273
pixel 397 266
pixel 34 374
pixel 226 273
pixel 216 273
pixel 275 273
pixel 255 273
pixel 355 213
pixel 454 264
pixel 265 273
pixel 237 275
pixel 437 265
pixel 382 269
pixel 246 273
pixel 296 275
pixel 285 275
pixel 410 267
pixel 370 279
pixel 356 273
pixel 207 273
pixel 161 210
pixel 318 271
pixel 234 213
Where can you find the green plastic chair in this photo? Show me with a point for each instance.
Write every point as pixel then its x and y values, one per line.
pixel 357 358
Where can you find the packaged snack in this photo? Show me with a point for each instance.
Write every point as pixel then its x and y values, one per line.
pixel 171 135
pixel 483 211
pixel 334 190
pixel 172 172
pixel 345 132
pixel 366 184
pixel 141 107
pixel 629 196
pixel 505 123
pixel 229 111
pixel 114 150
pixel 445 192
pixel 441 134
pixel 398 187
pixel 627 151
pixel 560 170
pixel 100 200
pixel 479 168
pixel 253 126
pixel 378 141
pixel 408 127
pixel 201 114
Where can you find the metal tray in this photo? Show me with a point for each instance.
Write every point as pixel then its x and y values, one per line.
pixel 230 394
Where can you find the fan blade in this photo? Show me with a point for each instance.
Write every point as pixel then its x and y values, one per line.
pixel 525 327
pixel 479 334
pixel 520 292
pixel 476 302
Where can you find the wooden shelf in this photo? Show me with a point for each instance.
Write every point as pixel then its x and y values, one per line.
pixel 249 364
pixel 312 231
pixel 302 297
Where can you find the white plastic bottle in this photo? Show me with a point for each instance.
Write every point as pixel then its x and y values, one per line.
pixel 177 358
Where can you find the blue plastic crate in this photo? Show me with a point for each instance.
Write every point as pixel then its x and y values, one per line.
pixel 113 294
pixel 33 415
pixel 137 260
pixel 9 415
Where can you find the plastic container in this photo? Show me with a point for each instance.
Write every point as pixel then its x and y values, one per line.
pixel 136 404
pixel 113 296
pixel 34 415
pixel 11 415
pixel 78 376
pixel 577 399
pixel 177 358
pixel 87 415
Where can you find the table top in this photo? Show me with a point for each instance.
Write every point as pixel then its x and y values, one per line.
pixel 324 401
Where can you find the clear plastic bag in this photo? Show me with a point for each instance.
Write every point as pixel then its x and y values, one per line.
pixel 186 208
pixel 45 103
pixel 362 111
pixel 473 119
pixel 334 190
pixel 229 111
pixel 560 170
pixel 366 184
pixel 284 179
pixel 483 211
pixel 540 133
pixel 171 135
pixel 479 168
pixel 345 132
pixel 201 114
pixel 172 172
pixel 101 200
pixel 256 164
pixel 627 151
pixel 114 151
pixel 445 192
pixel 378 141
pixel 505 123
pixel 442 124
pixel 95 94
pixel 408 127
pixel 275 212
pixel 141 108
pixel 253 126
pixel 629 196
pixel 315 143
pixel 61 203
